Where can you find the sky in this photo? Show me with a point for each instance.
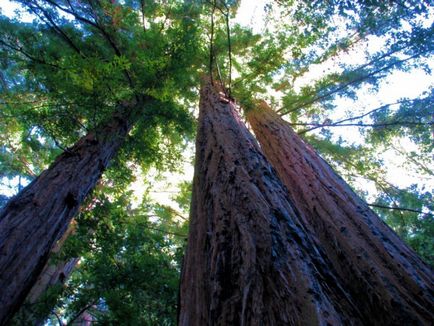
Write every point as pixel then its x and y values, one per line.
pixel 397 85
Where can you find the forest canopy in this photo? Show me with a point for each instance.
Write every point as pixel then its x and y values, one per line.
pixel 353 79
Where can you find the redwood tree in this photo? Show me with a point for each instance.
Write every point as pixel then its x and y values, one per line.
pixel 250 260
pixel 389 283
pixel 32 222
pixel 54 275
pixel 86 68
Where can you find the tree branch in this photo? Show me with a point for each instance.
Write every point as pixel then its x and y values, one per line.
pixel 29 56
pixel 80 312
pixel 382 107
pixel 167 232
pixel 49 21
pixel 211 43
pixel 352 82
pixel 58 318
pixel 228 34
pixel 363 125
pixel 399 209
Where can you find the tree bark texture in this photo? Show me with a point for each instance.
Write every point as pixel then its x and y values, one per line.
pixel 32 221
pixel 389 283
pixel 53 274
pixel 249 260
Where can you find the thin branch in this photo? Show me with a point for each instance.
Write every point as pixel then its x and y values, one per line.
pixel 29 56
pixel 399 208
pixel 413 160
pixel 220 76
pixel 302 69
pixel 175 212
pixel 390 196
pixel 96 25
pixel 142 6
pixel 228 34
pixel 81 312
pixel 21 158
pixel 211 43
pixel 49 21
pixel 56 142
pixel 19 103
pixel 3 83
pixel 167 232
pixel 58 318
pixel 362 125
pixel 73 13
pixel 385 106
pixel 111 42
pixel 352 82
pixel 230 55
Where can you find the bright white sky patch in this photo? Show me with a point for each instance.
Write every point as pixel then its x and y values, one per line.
pixel 10 9
pixel 251 14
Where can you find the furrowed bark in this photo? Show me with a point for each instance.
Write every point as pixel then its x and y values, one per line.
pixel 249 260
pixel 53 274
pixel 32 221
pixel 385 278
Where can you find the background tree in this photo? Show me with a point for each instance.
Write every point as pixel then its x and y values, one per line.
pixel 106 31
pixel 381 274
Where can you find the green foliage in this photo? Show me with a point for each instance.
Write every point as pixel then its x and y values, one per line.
pixel 68 70
pixel 183 198
pixel 129 271
pixel 64 74
pixel 130 263
pixel 416 224
pixel 411 119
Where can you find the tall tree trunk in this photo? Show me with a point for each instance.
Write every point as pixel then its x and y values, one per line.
pixel 384 277
pixel 249 260
pixel 53 274
pixel 32 222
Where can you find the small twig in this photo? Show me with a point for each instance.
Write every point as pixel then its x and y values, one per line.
pixel 58 318
pixel 211 45
pixel 220 77
pixel 380 108
pixel 50 22
pixel 228 32
pixel 142 5
pixel 81 312
pixel 29 56
pixel 357 80
pixel 167 232
pixel 387 124
pixel 399 208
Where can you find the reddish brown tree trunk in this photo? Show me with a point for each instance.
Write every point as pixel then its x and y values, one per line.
pixel 249 260
pixel 32 222
pixel 385 278
pixel 53 274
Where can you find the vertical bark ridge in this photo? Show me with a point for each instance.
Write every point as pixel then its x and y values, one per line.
pixel 385 278
pixel 32 221
pixel 249 260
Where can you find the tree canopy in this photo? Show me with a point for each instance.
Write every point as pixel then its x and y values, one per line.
pixel 65 72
